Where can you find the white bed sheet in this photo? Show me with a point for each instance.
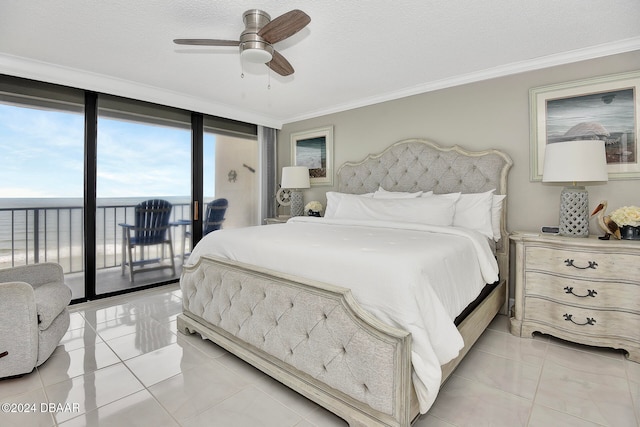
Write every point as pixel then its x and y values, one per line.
pixel 414 277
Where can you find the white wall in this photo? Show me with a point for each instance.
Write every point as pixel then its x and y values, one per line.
pixel 488 114
pixel 242 194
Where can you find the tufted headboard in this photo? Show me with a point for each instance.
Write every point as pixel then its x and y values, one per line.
pixel 418 164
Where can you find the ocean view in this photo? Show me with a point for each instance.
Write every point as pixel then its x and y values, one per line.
pixel 60 234
pixel 27 202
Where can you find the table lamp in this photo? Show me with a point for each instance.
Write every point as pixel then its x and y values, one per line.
pixel 575 162
pixel 295 178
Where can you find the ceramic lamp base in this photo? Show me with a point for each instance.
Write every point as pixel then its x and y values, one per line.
pixel 574 212
pixel 297 203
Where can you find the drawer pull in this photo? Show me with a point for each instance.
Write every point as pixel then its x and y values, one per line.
pixel 4 353
pixel 592 264
pixel 569 317
pixel 590 292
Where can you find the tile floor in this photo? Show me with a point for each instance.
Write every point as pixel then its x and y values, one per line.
pixel 123 363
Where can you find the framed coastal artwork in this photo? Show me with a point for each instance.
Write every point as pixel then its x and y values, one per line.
pixel 605 108
pixel 314 149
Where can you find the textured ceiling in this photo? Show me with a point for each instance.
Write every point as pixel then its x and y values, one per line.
pixel 351 54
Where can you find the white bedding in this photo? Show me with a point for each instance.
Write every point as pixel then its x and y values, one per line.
pixel 415 277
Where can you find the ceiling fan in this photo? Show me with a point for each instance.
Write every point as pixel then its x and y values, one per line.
pixel 260 34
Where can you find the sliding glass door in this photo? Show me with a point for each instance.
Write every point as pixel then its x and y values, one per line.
pixel 41 176
pixel 75 167
pixel 143 156
pixel 231 172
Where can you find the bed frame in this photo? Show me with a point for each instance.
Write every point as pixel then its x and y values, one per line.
pixel 316 339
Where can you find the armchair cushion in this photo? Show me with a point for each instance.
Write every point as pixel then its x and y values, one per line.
pixel 18 329
pixel 33 307
pixel 51 299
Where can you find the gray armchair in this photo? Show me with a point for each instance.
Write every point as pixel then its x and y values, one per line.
pixel 33 316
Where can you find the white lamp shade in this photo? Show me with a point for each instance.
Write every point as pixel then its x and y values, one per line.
pixel 295 177
pixel 575 161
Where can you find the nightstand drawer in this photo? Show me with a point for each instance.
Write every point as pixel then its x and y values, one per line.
pixel 584 290
pixel 572 291
pixel 597 323
pixel 583 264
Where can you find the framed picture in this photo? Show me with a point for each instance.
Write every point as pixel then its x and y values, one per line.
pixel 314 149
pixel 606 108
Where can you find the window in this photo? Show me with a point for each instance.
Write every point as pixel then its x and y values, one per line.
pixel 143 151
pixel 231 171
pixel 41 170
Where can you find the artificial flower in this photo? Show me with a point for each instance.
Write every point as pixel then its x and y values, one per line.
pixel 313 206
pixel 626 215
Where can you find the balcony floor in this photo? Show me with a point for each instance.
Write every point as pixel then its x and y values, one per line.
pixel 112 280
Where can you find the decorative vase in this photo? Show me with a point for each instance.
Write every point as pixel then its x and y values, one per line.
pixel 629 232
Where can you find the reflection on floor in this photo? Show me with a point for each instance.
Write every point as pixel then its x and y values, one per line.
pixel 123 363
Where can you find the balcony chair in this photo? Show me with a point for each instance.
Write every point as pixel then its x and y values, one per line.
pixel 151 228
pixel 213 219
pixel 35 317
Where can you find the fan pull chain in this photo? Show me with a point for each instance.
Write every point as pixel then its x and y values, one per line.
pixel 269 82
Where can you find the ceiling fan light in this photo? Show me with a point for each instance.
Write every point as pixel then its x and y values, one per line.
pixel 258 56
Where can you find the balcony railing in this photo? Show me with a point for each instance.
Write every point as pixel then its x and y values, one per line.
pixel 30 235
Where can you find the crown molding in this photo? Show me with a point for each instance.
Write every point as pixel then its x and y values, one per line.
pixel 52 73
pixel 592 52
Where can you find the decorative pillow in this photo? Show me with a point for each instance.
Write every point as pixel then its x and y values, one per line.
pixel 473 211
pixel 435 210
pixel 496 215
pixel 334 198
pixel 381 193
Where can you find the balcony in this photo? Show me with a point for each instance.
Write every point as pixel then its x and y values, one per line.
pixel 29 235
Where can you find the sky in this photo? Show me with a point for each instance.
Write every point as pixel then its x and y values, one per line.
pixel 41 155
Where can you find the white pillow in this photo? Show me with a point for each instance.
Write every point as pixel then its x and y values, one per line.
pixel 381 193
pixel 334 198
pixel 436 210
pixel 496 215
pixel 474 211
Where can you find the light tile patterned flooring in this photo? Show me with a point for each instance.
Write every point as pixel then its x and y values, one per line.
pixel 123 363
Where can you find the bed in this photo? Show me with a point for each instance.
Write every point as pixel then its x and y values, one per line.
pixel 320 332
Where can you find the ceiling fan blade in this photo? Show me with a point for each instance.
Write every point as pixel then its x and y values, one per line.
pixel 280 65
pixel 284 26
pixel 207 42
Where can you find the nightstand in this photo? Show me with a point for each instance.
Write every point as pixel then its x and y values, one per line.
pixel 280 219
pixel 583 290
